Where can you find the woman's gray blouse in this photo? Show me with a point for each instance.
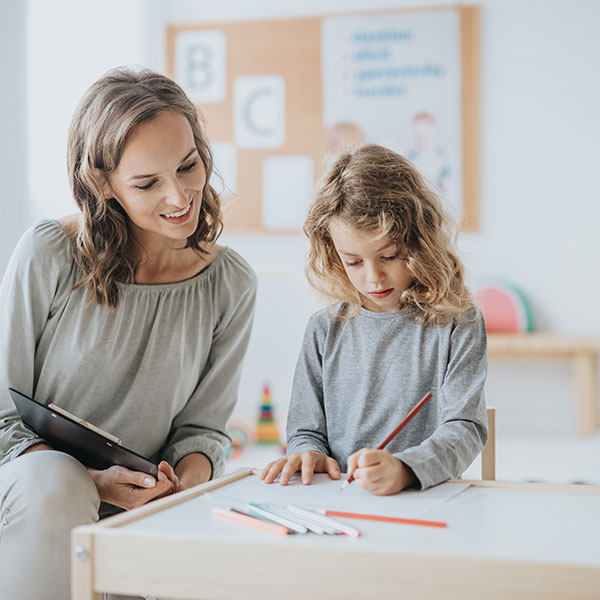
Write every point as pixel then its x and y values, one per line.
pixel 160 371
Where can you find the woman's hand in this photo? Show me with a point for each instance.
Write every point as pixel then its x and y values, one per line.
pixel 130 489
pixel 380 473
pixel 307 462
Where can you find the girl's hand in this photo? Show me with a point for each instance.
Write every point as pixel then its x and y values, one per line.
pixel 193 469
pixel 167 469
pixel 378 472
pixel 307 462
pixel 130 489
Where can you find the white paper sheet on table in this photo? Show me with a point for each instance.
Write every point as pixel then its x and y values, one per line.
pixel 324 493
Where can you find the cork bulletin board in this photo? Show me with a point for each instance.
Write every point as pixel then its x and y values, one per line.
pixel 280 97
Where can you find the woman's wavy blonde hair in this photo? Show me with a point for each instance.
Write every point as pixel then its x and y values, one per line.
pixel 376 190
pixel 109 111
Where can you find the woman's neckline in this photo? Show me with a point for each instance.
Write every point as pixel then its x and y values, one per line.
pixel 205 271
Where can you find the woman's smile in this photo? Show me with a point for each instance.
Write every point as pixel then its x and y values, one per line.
pixel 179 217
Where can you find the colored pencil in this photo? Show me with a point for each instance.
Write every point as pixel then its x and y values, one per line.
pixel 326 521
pixel 240 517
pixel 281 511
pixel 347 515
pixel 260 510
pixel 420 404
pixel 312 524
pixel 254 515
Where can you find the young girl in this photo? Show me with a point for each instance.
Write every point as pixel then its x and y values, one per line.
pixel 403 324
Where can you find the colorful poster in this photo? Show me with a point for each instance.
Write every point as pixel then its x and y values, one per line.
pixel 395 80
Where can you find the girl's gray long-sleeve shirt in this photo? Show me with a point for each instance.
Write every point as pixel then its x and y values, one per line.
pixel 357 379
pixel 160 371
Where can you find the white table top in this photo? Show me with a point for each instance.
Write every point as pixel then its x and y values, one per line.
pixel 545 525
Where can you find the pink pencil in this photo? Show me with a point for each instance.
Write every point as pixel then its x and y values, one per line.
pixel 392 435
pixel 249 520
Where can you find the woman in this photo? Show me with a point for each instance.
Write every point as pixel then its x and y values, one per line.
pixel 129 315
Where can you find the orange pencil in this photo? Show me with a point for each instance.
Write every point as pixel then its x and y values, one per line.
pixel 337 513
pixel 239 517
pixel 390 437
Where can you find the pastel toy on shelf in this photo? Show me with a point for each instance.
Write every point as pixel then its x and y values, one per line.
pixel 240 438
pixel 267 431
pixel 505 308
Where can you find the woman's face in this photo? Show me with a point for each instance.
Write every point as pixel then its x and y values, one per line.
pixel 160 179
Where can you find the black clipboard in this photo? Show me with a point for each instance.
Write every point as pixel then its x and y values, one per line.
pixel 66 434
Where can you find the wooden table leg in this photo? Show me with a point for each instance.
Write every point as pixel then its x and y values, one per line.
pixel 586 393
pixel 82 567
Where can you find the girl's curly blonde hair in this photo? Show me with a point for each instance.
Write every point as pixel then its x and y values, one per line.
pixel 109 111
pixel 376 190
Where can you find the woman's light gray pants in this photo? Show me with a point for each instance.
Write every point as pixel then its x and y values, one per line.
pixel 43 495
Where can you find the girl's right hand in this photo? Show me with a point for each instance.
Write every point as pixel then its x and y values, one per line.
pixel 307 462
pixel 129 489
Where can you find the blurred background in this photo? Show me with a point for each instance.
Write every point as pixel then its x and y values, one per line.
pixel 538 135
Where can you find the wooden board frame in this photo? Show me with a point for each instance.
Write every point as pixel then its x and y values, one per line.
pixel 297 58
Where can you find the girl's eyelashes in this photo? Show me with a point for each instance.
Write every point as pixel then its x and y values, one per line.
pixel 384 258
pixel 394 257
pixel 182 169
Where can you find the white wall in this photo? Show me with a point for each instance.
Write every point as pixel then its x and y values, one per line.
pixel 70 43
pixel 540 92
pixel 540 128
pixel 13 131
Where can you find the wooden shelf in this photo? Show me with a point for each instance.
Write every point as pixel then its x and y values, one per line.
pixel 582 351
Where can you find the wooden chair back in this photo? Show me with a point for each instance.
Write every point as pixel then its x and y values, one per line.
pixel 488 454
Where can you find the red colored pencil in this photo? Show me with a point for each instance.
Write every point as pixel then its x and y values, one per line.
pixel 347 515
pixel 390 437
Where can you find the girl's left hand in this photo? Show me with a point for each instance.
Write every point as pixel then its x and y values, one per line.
pixel 378 472
pixel 167 469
